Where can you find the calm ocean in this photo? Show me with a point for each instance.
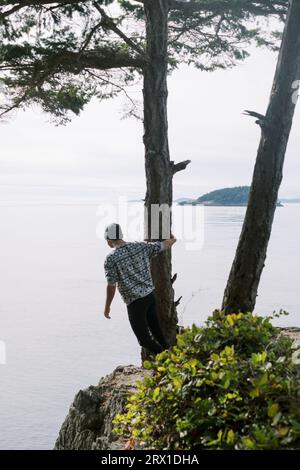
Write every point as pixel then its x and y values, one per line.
pixel 52 292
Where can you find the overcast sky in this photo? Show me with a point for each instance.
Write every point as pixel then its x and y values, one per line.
pixel 99 149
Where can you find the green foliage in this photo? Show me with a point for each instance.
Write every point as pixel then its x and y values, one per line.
pixel 60 58
pixel 54 47
pixel 217 37
pixel 233 384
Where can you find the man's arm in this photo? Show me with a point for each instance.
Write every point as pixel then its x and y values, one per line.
pixel 154 248
pixel 110 293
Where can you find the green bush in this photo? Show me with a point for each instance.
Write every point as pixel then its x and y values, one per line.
pixel 233 384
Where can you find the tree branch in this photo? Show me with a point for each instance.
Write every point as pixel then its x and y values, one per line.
pixel 90 36
pixel 180 166
pixel 109 23
pixel 133 111
pixel 38 82
pixel 71 62
pixel 11 11
pixel 177 302
pixel 256 7
pixel 19 4
pixel 261 7
pixel 26 3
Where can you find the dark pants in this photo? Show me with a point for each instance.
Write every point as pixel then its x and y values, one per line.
pixel 145 324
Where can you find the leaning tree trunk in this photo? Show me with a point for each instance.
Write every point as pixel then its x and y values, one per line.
pixel 159 168
pixel 241 290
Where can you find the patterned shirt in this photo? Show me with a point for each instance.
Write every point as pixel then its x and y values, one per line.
pixel 128 266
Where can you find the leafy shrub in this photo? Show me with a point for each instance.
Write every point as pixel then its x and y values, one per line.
pixel 233 384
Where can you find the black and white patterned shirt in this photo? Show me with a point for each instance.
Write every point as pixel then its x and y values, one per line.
pixel 128 266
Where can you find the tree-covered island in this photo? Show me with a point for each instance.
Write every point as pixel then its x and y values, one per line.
pixel 237 196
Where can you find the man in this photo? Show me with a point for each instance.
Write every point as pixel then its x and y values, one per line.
pixel 128 267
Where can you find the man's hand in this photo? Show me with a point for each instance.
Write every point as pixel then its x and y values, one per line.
pixel 169 243
pixel 110 293
pixel 107 312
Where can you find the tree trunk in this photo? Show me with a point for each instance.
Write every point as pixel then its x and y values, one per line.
pixel 159 169
pixel 241 290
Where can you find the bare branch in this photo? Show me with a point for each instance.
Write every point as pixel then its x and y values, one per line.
pixel 90 36
pixel 261 119
pixel 180 166
pixel 177 302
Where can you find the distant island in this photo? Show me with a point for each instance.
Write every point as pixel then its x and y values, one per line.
pixel 295 200
pixel 237 196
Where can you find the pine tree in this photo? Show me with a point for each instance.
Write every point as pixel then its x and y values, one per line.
pixel 60 54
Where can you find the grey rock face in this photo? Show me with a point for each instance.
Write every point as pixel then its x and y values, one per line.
pixel 88 425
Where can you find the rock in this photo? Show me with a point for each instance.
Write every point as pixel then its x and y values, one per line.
pixel 88 425
pixel 293 333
